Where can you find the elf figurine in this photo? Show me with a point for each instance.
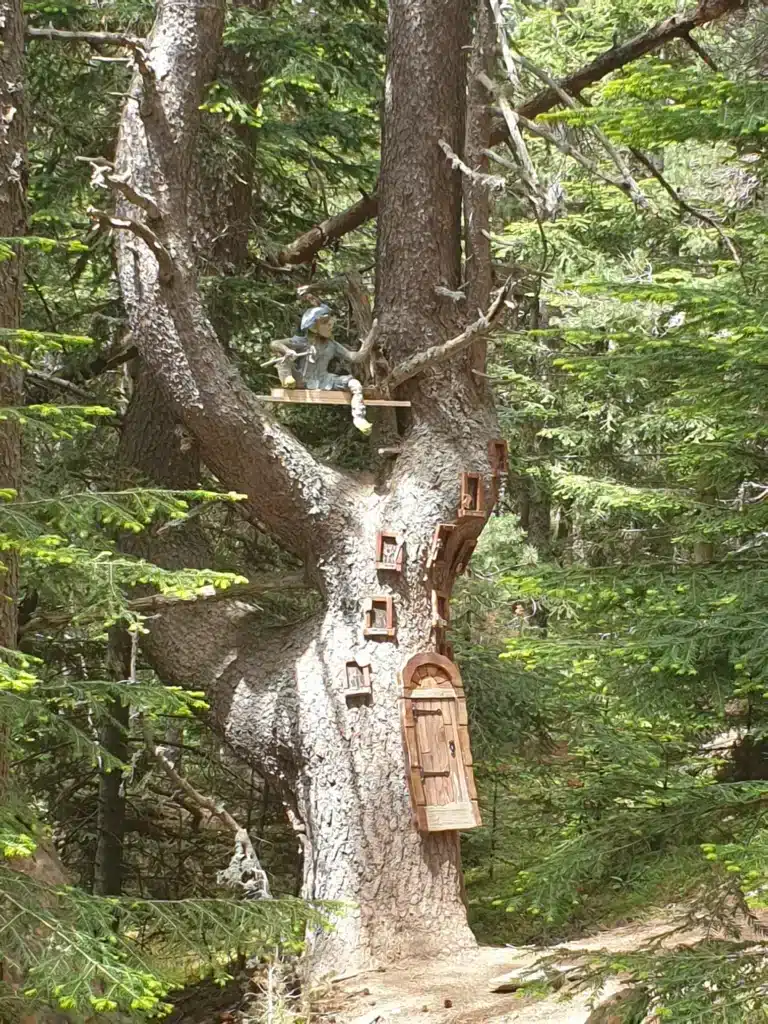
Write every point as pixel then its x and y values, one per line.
pixel 305 362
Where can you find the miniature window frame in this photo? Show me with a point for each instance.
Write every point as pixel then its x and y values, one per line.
pixel 386 539
pixel 472 501
pixel 361 684
pixel 437 547
pixel 498 455
pixel 373 605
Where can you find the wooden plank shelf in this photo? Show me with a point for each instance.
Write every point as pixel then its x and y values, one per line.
pixel 314 396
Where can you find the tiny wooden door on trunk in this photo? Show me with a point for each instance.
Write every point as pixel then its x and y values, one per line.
pixel 438 755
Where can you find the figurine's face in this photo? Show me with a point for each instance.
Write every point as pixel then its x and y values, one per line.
pixel 323 326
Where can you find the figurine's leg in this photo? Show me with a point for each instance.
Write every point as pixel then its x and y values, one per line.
pixel 358 407
pixel 345 383
pixel 286 373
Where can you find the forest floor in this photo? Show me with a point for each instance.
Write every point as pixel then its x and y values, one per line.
pixel 460 990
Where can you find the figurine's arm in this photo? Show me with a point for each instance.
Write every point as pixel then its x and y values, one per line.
pixel 282 347
pixel 360 355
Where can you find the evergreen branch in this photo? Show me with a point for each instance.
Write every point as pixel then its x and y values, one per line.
pixel 674 194
pixel 161 602
pixel 62 383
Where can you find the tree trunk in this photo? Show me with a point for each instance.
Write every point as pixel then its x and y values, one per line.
pixel 12 225
pixel 113 736
pixel 279 697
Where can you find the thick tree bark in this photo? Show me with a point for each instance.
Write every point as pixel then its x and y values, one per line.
pixel 12 225
pixel 477 198
pixel 279 698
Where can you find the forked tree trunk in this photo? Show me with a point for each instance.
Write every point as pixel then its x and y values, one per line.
pixel 280 697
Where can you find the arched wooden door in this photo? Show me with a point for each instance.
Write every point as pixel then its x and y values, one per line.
pixel 436 737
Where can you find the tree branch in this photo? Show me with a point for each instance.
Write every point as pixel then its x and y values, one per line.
pixel 163 602
pixel 92 38
pixel 290 494
pixel 632 187
pixel 448 349
pixel 207 803
pixel 699 50
pixel 686 206
pixel 493 182
pixel 679 26
pixel 308 245
pixel 62 383
pixel 153 243
pixel 590 165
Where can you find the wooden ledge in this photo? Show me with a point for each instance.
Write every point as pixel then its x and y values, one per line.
pixel 316 397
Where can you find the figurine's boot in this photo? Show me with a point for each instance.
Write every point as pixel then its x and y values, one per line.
pixel 358 407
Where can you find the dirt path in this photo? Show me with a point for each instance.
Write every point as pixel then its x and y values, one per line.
pixel 458 991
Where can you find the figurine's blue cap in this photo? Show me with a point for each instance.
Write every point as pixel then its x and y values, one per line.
pixel 311 317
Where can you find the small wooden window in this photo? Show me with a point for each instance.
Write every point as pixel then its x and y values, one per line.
pixel 498 455
pixel 358 681
pixel 472 496
pixel 390 548
pixel 379 618
pixel 441 609
pixel 439 540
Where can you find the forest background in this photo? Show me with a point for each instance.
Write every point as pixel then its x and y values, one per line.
pixel 611 627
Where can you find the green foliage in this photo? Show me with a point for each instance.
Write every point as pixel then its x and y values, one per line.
pixel 623 740
pixel 86 954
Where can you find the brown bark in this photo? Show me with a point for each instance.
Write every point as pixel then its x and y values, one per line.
pixel 113 737
pixel 679 26
pixel 12 225
pixel 477 199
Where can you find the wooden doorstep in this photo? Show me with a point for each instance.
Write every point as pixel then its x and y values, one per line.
pixel 314 396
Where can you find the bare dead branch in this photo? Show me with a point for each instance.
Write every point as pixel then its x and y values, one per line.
pixel 206 803
pixel 357 356
pixel 150 239
pixel 526 169
pixel 439 353
pixel 576 154
pixel 491 181
pixel 446 293
pixel 60 382
pixel 92 38
pixel 102 176
pixel 307 246
pixel 133 195
pixel 569 101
